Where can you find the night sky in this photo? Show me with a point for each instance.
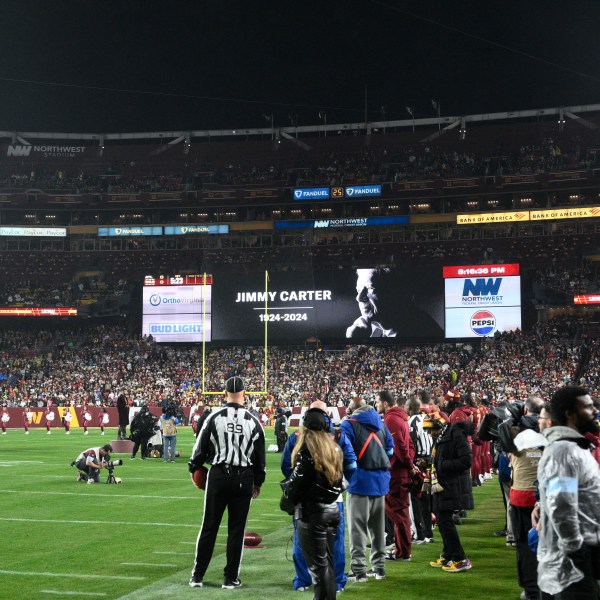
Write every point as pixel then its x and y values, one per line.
pixel 126 65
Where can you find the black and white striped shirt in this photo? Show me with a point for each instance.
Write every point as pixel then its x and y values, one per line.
pixel 232 436
pixel 421 439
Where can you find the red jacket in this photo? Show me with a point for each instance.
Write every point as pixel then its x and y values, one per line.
pixel 396 420
pixel 460 413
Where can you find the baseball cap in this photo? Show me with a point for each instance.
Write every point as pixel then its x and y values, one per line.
pixel 234 385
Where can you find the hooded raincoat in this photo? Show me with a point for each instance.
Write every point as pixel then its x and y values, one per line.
pixel 569 482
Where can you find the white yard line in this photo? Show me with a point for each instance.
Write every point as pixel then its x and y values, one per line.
pixel 31 493
pixel 71 575
pixel 81 522
pixel 63 593
pixel 128 564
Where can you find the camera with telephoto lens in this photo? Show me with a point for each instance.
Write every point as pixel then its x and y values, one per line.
pixel 110 467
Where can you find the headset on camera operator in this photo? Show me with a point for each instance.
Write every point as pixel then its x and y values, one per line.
pixel 90 461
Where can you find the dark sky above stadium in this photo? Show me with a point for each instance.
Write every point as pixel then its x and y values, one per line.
pixel 128 65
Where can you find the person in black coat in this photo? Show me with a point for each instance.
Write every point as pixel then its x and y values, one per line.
pixel 450 484
pixel 142 429
pixel 281 434
pixel 123 410
pixel 314 487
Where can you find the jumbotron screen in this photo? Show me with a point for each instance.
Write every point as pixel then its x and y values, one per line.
pixel 482 300
pixel 334 305
pixel 174 307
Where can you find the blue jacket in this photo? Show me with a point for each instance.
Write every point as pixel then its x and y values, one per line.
pixel 342 440
pixel 369 482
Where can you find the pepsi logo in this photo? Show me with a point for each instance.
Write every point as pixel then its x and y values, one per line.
pixel 483 322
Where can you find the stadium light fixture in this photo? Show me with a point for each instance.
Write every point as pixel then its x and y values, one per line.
pixel 561 119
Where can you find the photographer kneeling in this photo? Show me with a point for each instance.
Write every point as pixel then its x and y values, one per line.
pixel 90 461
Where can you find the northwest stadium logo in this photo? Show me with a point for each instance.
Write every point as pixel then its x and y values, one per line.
pixel 155 299
pixel 483 322
pixel 482 291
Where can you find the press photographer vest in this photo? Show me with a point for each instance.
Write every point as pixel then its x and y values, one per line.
pixel 369 447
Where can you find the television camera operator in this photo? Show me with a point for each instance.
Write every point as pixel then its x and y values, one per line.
pixel 142 428
pixel 90 461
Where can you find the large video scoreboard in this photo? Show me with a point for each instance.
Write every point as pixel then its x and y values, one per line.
pixel 481 300
pixel 177 308
pixel 361 305
pixel 407 303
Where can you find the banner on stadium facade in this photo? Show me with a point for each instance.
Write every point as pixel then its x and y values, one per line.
pixel 158 196
pixel 461 183
pixel 262 193
pixel 587 299
pixel 517 179
pixel 499 217
pixel 34 231
pixel 219 194
pixel 337 223
pixel 196 229
pixel 114 198
pixel 567 176
pixel 415 186
pixel 37 312
pixel 582 212
pixel 128 231
pixel 66 198
pixel 44 151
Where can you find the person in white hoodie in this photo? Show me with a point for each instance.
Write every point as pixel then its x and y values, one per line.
pixel 569 483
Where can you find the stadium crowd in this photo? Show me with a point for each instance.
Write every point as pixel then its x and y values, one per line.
pixel 97 364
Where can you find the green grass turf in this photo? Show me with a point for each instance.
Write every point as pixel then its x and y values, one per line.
pixel 61 539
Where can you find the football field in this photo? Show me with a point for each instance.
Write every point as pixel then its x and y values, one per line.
pixel 63 539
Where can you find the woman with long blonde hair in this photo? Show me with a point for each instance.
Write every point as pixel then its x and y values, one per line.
pixel 314 486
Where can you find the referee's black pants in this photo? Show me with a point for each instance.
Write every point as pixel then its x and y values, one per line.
pixel 225 488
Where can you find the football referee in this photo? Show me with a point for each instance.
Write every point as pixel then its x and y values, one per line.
pixel 232 440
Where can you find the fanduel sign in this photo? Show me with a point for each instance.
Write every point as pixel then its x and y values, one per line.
pixel 363 191
pixel 311 193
